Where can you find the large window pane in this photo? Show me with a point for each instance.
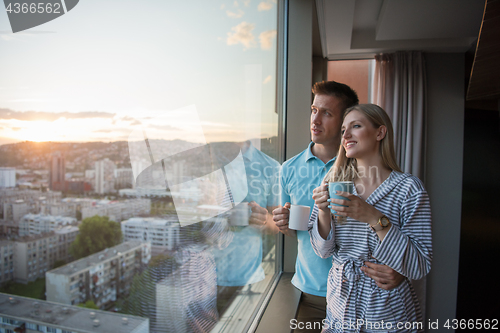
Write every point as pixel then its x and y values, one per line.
pixel 161 116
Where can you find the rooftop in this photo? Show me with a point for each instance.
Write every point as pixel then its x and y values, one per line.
pixel 66 316
pixel 96 258
pixel 32 238
pixel 171 221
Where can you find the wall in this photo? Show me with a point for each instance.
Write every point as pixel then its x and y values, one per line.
pixel 57 288
pixel 443 178
pixel 298 95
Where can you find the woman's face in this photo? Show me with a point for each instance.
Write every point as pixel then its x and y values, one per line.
pixel 359 138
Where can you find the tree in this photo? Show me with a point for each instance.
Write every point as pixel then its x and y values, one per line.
pixel 59 263
pixel 89 305
pixel 96 234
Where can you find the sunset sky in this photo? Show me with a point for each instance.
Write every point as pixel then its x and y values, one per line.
pixel 106 67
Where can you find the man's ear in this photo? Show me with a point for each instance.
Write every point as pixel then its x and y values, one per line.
pixel 382 131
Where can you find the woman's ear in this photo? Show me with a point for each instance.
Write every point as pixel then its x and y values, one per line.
pixel 382 131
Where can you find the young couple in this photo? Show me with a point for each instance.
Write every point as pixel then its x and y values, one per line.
pixel 354 272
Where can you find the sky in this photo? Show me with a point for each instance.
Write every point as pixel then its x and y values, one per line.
pixel 109 68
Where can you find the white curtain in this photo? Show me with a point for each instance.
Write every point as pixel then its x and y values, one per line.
pixel 400 89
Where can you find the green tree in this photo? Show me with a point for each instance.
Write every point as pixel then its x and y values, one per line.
pixel 96 234
pixel 59 263
pixel 89 305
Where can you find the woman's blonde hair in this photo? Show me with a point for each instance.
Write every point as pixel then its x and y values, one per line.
pixel 346 169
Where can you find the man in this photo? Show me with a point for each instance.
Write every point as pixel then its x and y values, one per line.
pixel 239 262
pixel 299 176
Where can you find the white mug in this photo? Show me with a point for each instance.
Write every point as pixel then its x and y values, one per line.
pixel 299 217
pixel 240 215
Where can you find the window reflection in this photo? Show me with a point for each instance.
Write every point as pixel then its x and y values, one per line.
pixel 162 119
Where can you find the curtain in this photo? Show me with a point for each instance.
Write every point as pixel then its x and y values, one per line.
pixel 400 89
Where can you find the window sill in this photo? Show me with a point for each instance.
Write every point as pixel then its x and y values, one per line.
pixel 281 308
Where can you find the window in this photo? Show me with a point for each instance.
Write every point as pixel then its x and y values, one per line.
pixel 185 98
pixel 31 326
pixel 356 74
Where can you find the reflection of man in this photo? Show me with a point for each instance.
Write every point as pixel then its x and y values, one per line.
pixel 240 263
pixel 300 175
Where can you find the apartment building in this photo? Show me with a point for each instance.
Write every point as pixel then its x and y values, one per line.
pixel 124 178
pixel 162 233
pixel 7 177
pixel 22 314
pixel 15 203
pixel 104 176
pixel 102 277
pixel 35 224
pixel 35 255
pixel 118 210
pixel 6 260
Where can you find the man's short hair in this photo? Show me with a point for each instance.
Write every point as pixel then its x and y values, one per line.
pixel 336 89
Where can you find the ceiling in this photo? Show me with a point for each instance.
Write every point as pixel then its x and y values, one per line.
pixel 354 29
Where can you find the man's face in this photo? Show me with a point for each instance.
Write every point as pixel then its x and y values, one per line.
pixel 326 120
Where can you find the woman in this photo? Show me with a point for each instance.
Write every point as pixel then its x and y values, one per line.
pixel 387 220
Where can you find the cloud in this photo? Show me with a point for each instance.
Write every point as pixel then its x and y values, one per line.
pixel 242 33
pixel 246 2
pixel 222 6
pixel 51 116
pixel 163 127
pixel 209 123
pixel 16 128
pixel 266 39
pixel 264 6
pixel 113 130
pixel 267 79
pixel 239 13
pixel 6 37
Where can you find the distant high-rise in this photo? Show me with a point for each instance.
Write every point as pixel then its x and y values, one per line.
pixel 7 177
pixel 104 176
pixel 57 172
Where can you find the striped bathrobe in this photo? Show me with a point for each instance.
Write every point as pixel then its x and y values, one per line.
pixel 355 303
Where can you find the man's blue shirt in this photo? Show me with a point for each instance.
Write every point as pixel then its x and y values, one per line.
pixel 300 175
pixel 239 263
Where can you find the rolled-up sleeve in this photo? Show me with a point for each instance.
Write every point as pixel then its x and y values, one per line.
pixel 408 248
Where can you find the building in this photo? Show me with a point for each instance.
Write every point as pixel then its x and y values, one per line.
pixel 57 172
pixel 9 229
pixel 78 186
pixel 124 178
pixel 102 277
pixel 118 210
pixel 6 260
pixel 35 255
pixel 35 224
pixel 62 208
pixel 14 211
pixel 162 233
pixel 22 314
pixel 104 176
pixel 188 296
pixel 7 177
pixel 15 203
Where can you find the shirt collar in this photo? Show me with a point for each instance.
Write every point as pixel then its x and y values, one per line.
pixel 249 151
pixel 309 154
